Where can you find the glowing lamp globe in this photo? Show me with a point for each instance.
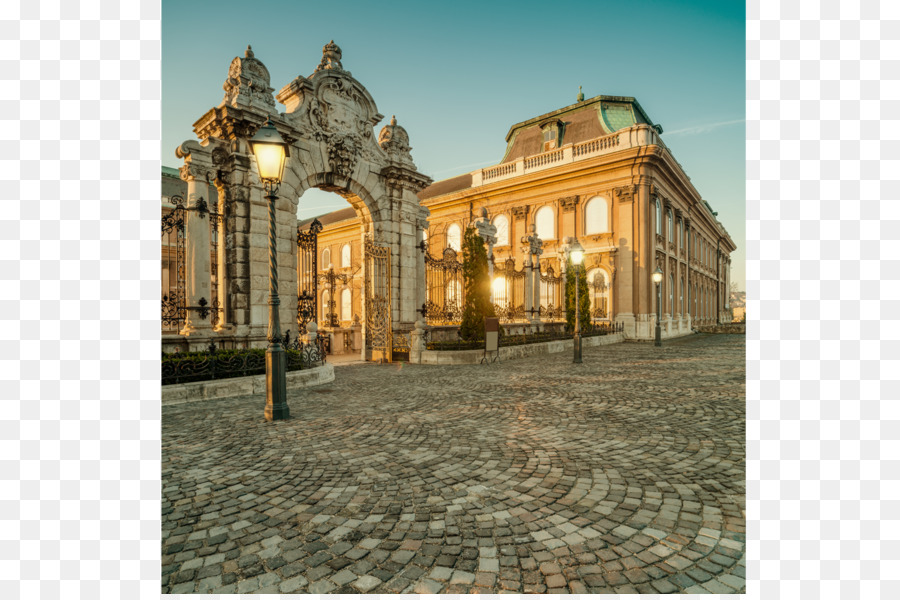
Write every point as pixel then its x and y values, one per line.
pixel 270 150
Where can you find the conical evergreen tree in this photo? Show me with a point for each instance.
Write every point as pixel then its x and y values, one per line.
pixel 583 298
pixel 477 302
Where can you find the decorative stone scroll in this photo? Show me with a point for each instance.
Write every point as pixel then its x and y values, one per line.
pixel 568 203
pixel 626 193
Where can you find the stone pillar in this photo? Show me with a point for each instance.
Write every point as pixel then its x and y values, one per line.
pixel 417 342
pixel 225 323
pixel 197 171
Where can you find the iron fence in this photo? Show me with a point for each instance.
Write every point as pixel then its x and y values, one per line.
pixel 551 303
pixel 173 310
pixel 508 290
pixel 445 289
pixel 214 363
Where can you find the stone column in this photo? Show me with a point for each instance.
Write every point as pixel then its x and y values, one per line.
pixel 196 172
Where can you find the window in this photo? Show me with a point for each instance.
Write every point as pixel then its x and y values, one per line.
pixel 346 305
pixel 345 255
pixel 596 216
pixel 326 258
pixel 550 135
pixel 658 218
pixel 502 225
pixel 671 239
pixel 680 234
pixel 543 221
pixel 598 285
pixel 671 295
pixel 454 239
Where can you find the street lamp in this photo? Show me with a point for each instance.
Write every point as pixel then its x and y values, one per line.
pixel 657 278
pixel 576 254
pixel 270 151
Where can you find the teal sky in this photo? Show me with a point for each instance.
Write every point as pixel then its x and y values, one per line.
pixel 457 75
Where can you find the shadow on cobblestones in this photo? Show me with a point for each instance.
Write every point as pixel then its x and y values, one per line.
pixel 621 475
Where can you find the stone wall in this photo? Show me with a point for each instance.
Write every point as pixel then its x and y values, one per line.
pixel 181 393
pixel 726 328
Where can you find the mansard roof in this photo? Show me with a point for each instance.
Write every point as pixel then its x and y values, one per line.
pixel 580 122
pixel 585 120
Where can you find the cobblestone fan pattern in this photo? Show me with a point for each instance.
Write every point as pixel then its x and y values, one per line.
pixel 621 475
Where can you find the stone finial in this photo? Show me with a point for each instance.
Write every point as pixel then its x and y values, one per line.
pixel 394 140
pixel 247 83
pixel 331 57
pixel 580 95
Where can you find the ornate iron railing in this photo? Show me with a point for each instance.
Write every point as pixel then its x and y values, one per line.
pixel 214 363
pixel 551 304
pixel 307 271
pixel 445 287
pixel 173 267
pixel 509 295
pixel 377 290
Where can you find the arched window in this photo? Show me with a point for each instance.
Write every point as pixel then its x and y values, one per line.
pixel 346 305
pixel 671 295
pixel 658 218
pixel 502 225
pixel 680 234
pixel 345 255
pixel 671 239
pixel 543 221
pixel 681 296
pixel 454 237
pixel 598 287
pixel 694 296
pixel 326 258
pixel 596 216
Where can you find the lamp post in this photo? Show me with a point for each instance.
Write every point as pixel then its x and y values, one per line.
pixel 657 278
pixel 576 253
pixel 270 151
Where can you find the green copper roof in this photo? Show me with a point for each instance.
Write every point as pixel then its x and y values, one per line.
pixel 617 116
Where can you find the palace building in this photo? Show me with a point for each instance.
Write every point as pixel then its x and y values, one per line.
pixel 597 170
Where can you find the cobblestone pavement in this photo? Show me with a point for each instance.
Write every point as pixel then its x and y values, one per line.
pixel 621 475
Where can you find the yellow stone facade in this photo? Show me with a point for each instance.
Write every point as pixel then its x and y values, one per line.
pixel 597 170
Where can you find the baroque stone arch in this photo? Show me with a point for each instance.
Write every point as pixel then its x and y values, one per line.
pixel 329 122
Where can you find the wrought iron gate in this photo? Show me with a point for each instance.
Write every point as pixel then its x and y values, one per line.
pixel 307 275
pixel 509 291
pixel 550 302
pixel 445 289
pixel 174 293
pixel 378 300
pixel 218 305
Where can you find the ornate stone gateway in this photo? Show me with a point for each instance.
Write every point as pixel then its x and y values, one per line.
pixel 329 122
pixel 378 302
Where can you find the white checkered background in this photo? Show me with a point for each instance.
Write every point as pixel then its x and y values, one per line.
pixel 79 304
